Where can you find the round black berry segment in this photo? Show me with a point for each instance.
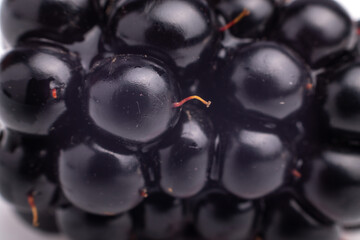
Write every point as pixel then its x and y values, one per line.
pixel 186 156
pixel 131 98
pixel 103 180
pixel 285 219
pixel 159 217
pixel 23 170
pixel 253 25
pixel 185 30
pixel 222 216
pixel 342 105
pixel 318 30
pixel 331 183
pixel 64 21
pixel 80 225
pixel 39 84
pixel 255 163
pixel 264 79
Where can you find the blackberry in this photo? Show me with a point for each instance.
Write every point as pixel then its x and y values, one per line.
pixel 40 84
pixel 330 183
pixel 223 216
pixel 187 153
pixel 265 79
pixel 319 42
pixel 131 97
pixel 99 140
pixel 64 21
pixel 80 225
pixel 286 219
pixel 100 179
pixel 181 31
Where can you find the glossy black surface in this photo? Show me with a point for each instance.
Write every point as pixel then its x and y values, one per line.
pixel 285 219
pixel 331 183
pixel 159 217
pixel 264 79
pixel 222 216
pixel 100 179
pixel 254 162
pixel 23 165
pixel 342 104
pixel 253 25
pixel 185 30
pixel 130 97
pixel 80 225
pixel 88 48
pixel 318 30
pixel 29 75
pixel 62 20
pixel 187 154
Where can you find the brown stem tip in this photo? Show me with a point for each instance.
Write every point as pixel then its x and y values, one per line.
pixel 54 93
pixel 243 14
pixel 182 102
pixel 34 210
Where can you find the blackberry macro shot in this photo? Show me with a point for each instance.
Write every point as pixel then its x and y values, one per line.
pixel 179 120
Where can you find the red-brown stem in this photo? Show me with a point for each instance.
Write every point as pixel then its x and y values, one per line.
pixel 358 31
pixel 309 86
pixel 179 104
pixel 54 93
pixel 296 173
pixel 34 210
pixel 243 14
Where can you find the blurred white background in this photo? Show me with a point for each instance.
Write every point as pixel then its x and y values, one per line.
pixel 12 228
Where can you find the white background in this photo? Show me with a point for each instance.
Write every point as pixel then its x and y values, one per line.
pixel 11 228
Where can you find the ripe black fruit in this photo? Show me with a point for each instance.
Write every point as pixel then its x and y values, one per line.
pixel 186 155
pixel 131 98
pixel 185 30
pixel 285 219
pixel 264 79
pixel 159 217
pixel 80 225
pixel 331 183
pixel 254 162
pixel 62 20
pixel 39 84
pixel 24 161
pixel 222 216
pixel 318 30
pixel 104 180
pixel 342 105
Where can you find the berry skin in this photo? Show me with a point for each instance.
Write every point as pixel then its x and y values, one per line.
pixel 285 219
pixel 319 42
pixel 263 79
pixel 254 162
pixel 222 216
pixel 187 154
pixel 64 21
pixel 185 30
pixel 159 217
pixel 39 84
pixel 331 182
pixel 253 25
pixel 80 225
pixel 100 178
pixel 23 165
pixel 342 104
pixel 131 97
